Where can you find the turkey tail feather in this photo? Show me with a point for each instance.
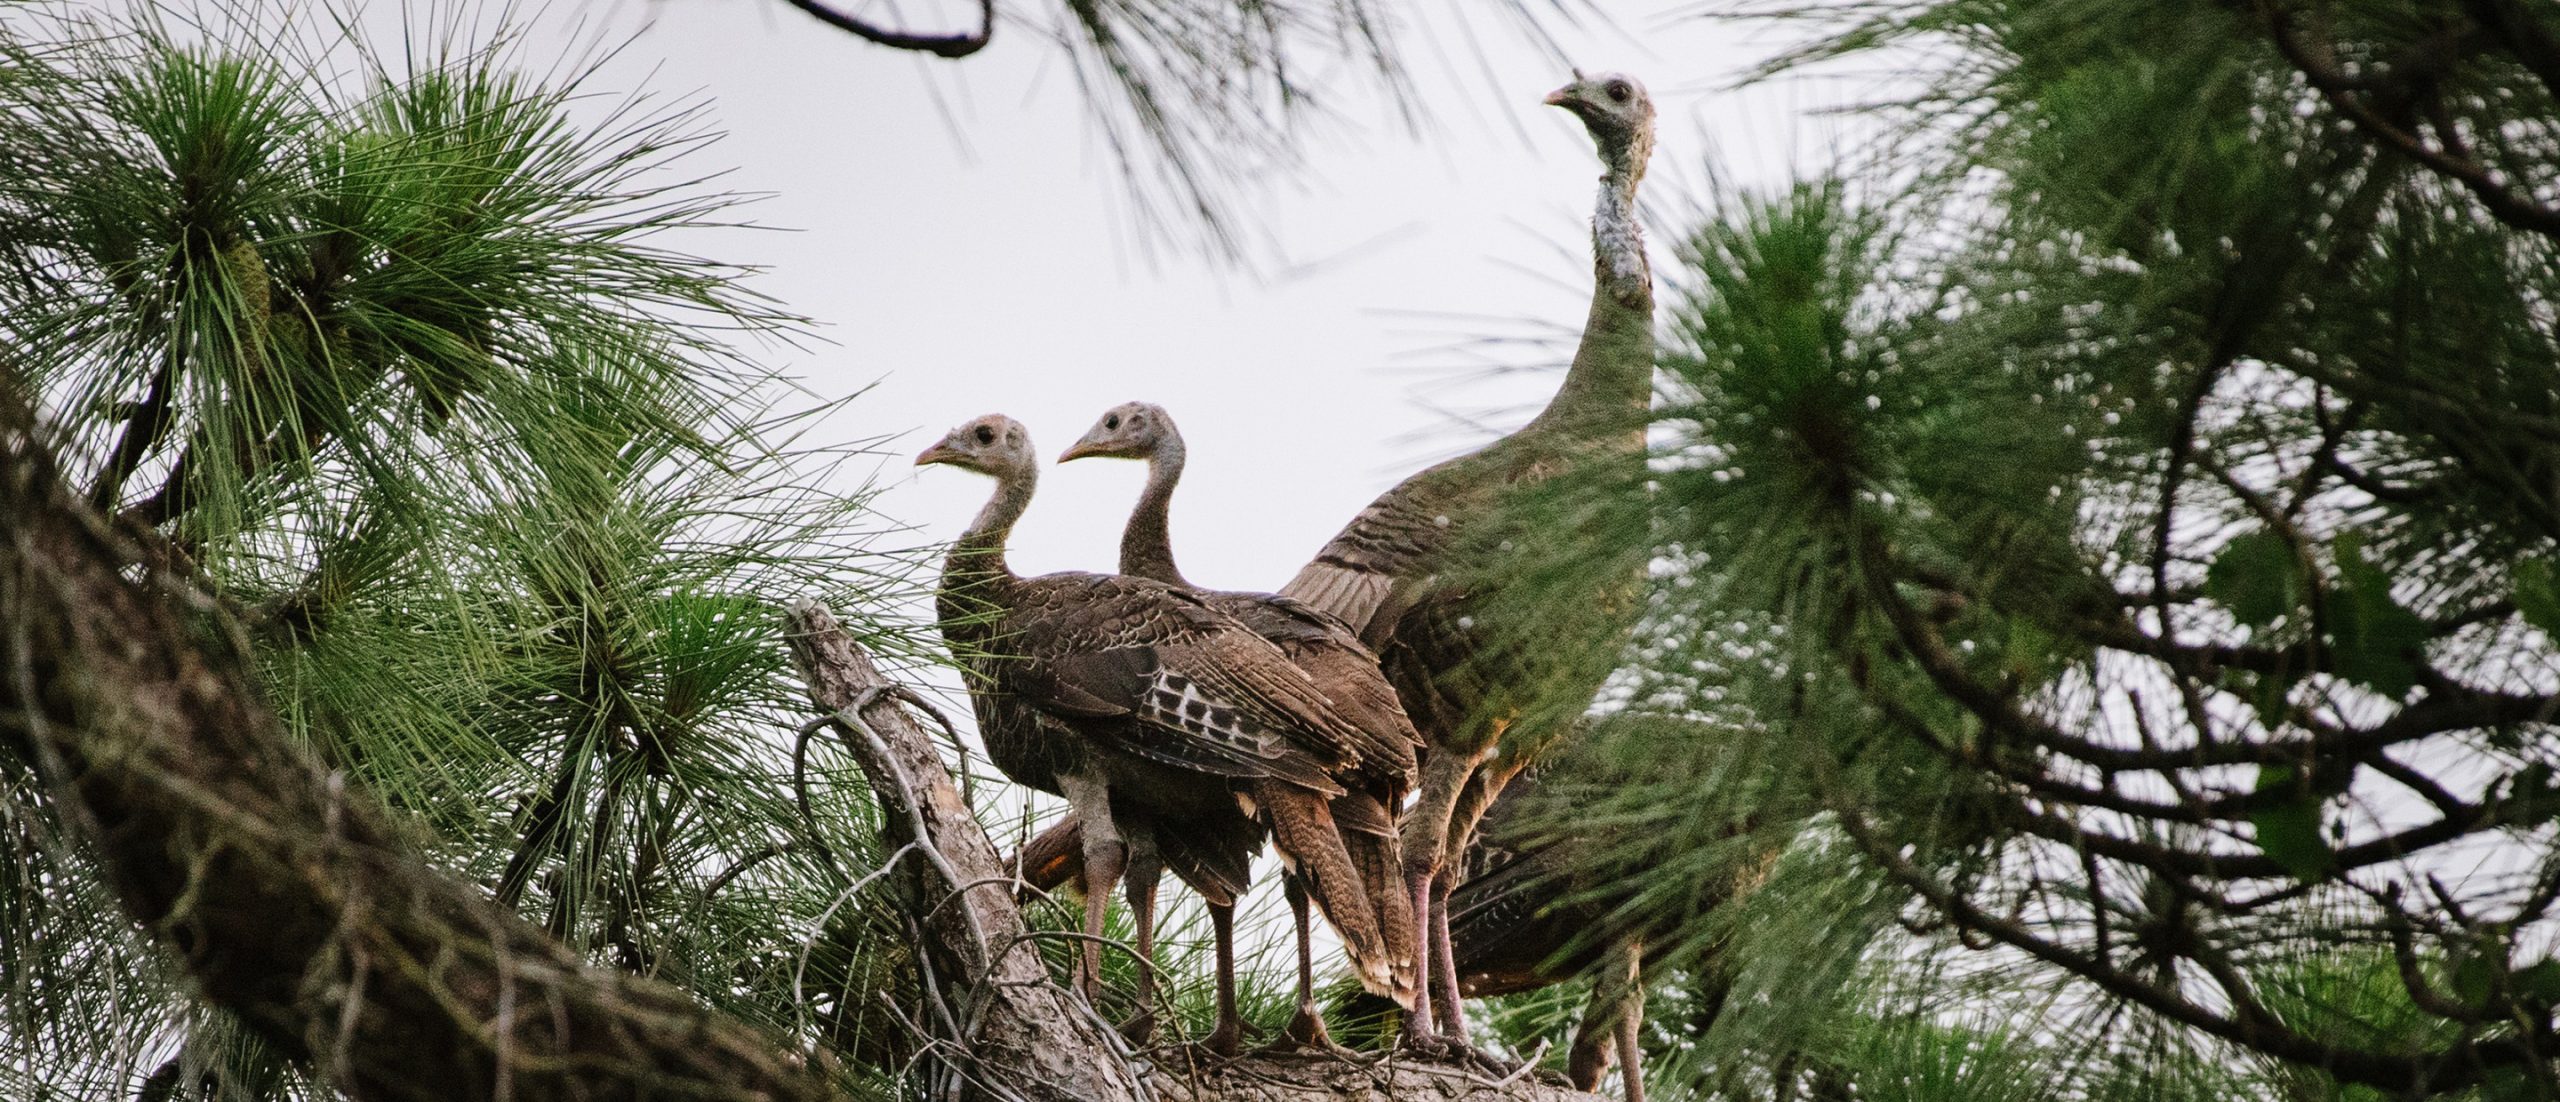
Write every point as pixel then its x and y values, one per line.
pixel 1054 857
pixel 1380 862
pixel 1303 825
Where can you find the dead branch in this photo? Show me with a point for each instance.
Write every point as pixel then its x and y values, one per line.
pixel 1023 1036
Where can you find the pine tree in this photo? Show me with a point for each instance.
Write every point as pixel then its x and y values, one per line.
pixel 2106 547
pixel 407 370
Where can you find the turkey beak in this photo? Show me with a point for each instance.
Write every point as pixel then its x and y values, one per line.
pixel 1561 97
pixel 940 452
pixel 1077 450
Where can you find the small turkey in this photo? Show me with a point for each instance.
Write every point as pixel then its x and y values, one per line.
pixel 1345 671
pixel 1174 733
pixel 1420 572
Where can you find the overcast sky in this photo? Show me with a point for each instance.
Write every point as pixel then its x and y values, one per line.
pixel 987 260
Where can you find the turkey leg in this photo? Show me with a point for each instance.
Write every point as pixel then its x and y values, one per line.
pixel 1228 1037
pixel 1306 1027
pixel 1444 960
pixel 1425 840
pixel 1146 869
pixel 1104 857
pixel 1492 774
pixel 1630 1038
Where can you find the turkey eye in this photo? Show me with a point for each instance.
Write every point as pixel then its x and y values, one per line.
pixel 1617 90
pixel 986 434
pixel 1111 422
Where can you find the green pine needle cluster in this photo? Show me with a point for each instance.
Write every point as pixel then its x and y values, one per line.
pixel 2102 633
pixel 399 354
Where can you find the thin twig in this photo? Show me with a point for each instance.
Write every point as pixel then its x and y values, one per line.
pixel 954 45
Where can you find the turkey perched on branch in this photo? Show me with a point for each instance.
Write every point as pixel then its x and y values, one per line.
pixel 1155 715
pixel 1418 573
pixel 1346 672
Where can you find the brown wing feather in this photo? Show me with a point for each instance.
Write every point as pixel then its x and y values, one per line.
pixel 1383 739
pixel 1369 570
pixel 1168 678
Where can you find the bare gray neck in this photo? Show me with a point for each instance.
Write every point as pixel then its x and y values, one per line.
pixel 978 557
pixel 1610 385
pixel 1617 232
pixel 1146 545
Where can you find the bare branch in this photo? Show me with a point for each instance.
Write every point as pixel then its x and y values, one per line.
pixel 955 45
pixel 1024 1032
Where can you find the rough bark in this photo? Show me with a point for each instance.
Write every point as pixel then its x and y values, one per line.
pixel 1004 1028
pixel 283 890
pixel 1310 1077
pixel 1034 1038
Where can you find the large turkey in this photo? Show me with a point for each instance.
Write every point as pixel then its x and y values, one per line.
pixel 1527 916
pixel 1418 572
pixel 1346 672
pixel 1170 728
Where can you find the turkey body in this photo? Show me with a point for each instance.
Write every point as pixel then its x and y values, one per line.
pixel 1426 573
pixel 1168 726
pixel 1383 746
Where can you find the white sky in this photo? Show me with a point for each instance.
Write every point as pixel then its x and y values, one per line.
pixel 997 268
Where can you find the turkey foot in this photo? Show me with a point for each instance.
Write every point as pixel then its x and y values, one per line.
pixel 1305 1033
pixel 1483 1059
pixel 1450 1048
pixel 1418 1040
pixel 1140 1028
pixel 1225 1041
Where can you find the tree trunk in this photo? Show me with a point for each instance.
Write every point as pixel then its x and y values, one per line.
pixel 1015 1029
pixel 284 890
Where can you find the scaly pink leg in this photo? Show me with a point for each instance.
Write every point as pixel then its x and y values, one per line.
pixel 1444 968
pixel 1424 838
pixel 1145 871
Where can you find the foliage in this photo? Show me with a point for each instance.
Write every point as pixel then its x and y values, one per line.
pixel 2116 539
pixel 395 353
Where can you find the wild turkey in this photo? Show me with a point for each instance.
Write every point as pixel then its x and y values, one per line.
pixel 1416 572
pixel 1346 672
pixel 1156 716
pixel 1524 918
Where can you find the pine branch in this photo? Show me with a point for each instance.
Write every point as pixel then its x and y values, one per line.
pixel 2453 1067
pixel 2503 202
pixel 2524 35
pixel 281 887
